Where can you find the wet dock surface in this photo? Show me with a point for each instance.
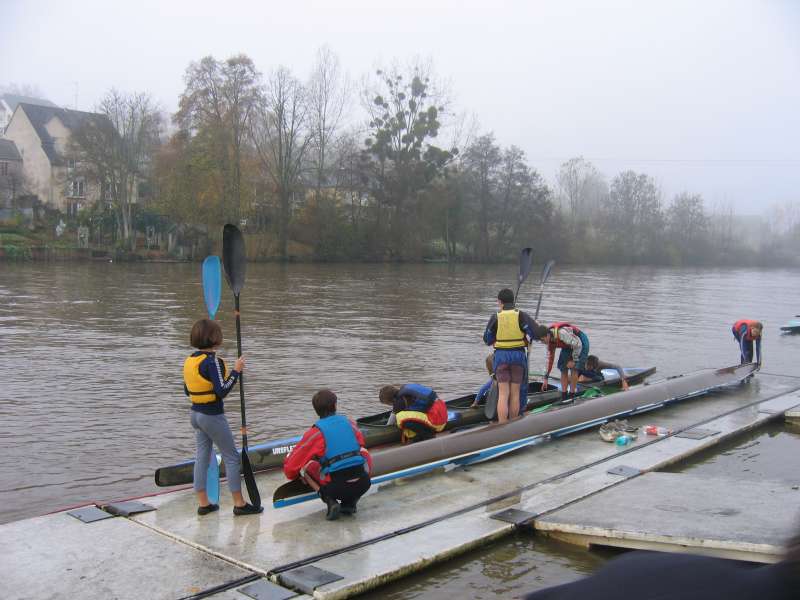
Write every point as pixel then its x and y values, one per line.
pixel 400 528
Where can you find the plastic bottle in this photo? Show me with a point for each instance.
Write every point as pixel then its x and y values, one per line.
pixel 656 430
pixel 622 440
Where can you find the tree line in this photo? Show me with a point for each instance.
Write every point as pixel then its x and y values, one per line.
pixel 385 170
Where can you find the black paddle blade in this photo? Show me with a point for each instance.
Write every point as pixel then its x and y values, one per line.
pixel 525 259
pixel 233 257
pixel 546 271
pixel 250 480
pixel 296 487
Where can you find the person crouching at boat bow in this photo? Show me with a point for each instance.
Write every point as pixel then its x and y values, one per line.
pixel 416 410
pixel 206 381
pixel 510 331
pixel 331 458
pixel 574 345
pixel 593 372
pixel 746 332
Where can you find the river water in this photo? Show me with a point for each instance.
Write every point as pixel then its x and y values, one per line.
pixel 91 353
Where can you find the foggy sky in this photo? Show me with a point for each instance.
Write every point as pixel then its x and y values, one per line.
pixel 704 96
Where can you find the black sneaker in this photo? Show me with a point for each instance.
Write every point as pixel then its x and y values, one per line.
pixel 204 510
pixel 247 509
pixel 348 509
pixel 333 509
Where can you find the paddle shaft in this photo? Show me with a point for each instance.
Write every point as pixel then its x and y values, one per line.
pixel 241 375
pixel 539 302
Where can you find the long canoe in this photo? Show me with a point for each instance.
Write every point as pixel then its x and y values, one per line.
pixel 489 441
pixel 377 432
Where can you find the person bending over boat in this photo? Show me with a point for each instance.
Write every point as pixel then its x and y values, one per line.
pixel 510 331
pixel 746 332
pixel 331 458
pixel 416 410
pixel 593 372
pixel 574 345
pixel 206 381
pixel 491 387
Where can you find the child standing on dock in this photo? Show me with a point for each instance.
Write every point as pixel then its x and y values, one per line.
pixel 331 458
pixel 746 332
pixel 206 381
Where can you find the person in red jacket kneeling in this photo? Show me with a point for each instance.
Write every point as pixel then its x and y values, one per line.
pixel 331 458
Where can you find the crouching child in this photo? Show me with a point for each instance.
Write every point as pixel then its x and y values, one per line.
pixel 331 458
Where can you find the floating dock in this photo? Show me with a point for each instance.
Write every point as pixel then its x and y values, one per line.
pixel 578 488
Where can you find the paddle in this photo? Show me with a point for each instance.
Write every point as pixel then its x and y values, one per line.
pixel 525 258
pixel 212 284
pixel 212 292
pixel 233 260
pixel 545 275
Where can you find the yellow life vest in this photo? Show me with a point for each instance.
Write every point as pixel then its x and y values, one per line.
pixel 509 335
pixel 201 390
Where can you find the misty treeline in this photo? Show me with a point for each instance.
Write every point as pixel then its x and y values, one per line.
pixel 385 170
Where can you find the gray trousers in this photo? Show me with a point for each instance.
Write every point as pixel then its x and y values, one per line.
pixel 208 431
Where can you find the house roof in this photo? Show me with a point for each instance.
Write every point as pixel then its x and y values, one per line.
pixel 39 116
pixel 13 99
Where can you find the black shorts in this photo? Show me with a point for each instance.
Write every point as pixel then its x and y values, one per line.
pixel 347 485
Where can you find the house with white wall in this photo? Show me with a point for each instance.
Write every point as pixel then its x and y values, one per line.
pixel 41 135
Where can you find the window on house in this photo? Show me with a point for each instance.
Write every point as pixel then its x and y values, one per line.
pixel 4 169
pixel 77 188
pixel 71 164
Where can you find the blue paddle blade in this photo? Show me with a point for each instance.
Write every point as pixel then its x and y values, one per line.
pixel 212 284
pixel 212 479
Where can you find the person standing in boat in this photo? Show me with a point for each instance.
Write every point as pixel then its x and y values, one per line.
pixel 593 372
pixel 331 458
pixel 574 345
pixel 746 332
pixel 416 410
pixel 510 331
pixel 206 381
pixel 486 388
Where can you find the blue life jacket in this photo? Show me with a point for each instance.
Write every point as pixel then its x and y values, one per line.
pixel 341 446
pixel 423 396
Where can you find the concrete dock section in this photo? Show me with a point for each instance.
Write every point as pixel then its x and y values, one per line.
pixel 676 512
pixel 401 526
pixel 59 556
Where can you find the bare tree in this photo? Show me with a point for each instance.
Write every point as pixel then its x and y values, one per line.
pixel 578 181
pixel 218 102
pixel 281 137
pixel 115 148
pixel 328 93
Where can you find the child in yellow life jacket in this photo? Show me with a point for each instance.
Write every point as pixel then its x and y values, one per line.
pixel 510 331
pixel 416 409
pixel 206 381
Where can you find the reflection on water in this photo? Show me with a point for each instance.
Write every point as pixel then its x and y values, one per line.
pixel 92 396
pixel 771 452
pixel 508 568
